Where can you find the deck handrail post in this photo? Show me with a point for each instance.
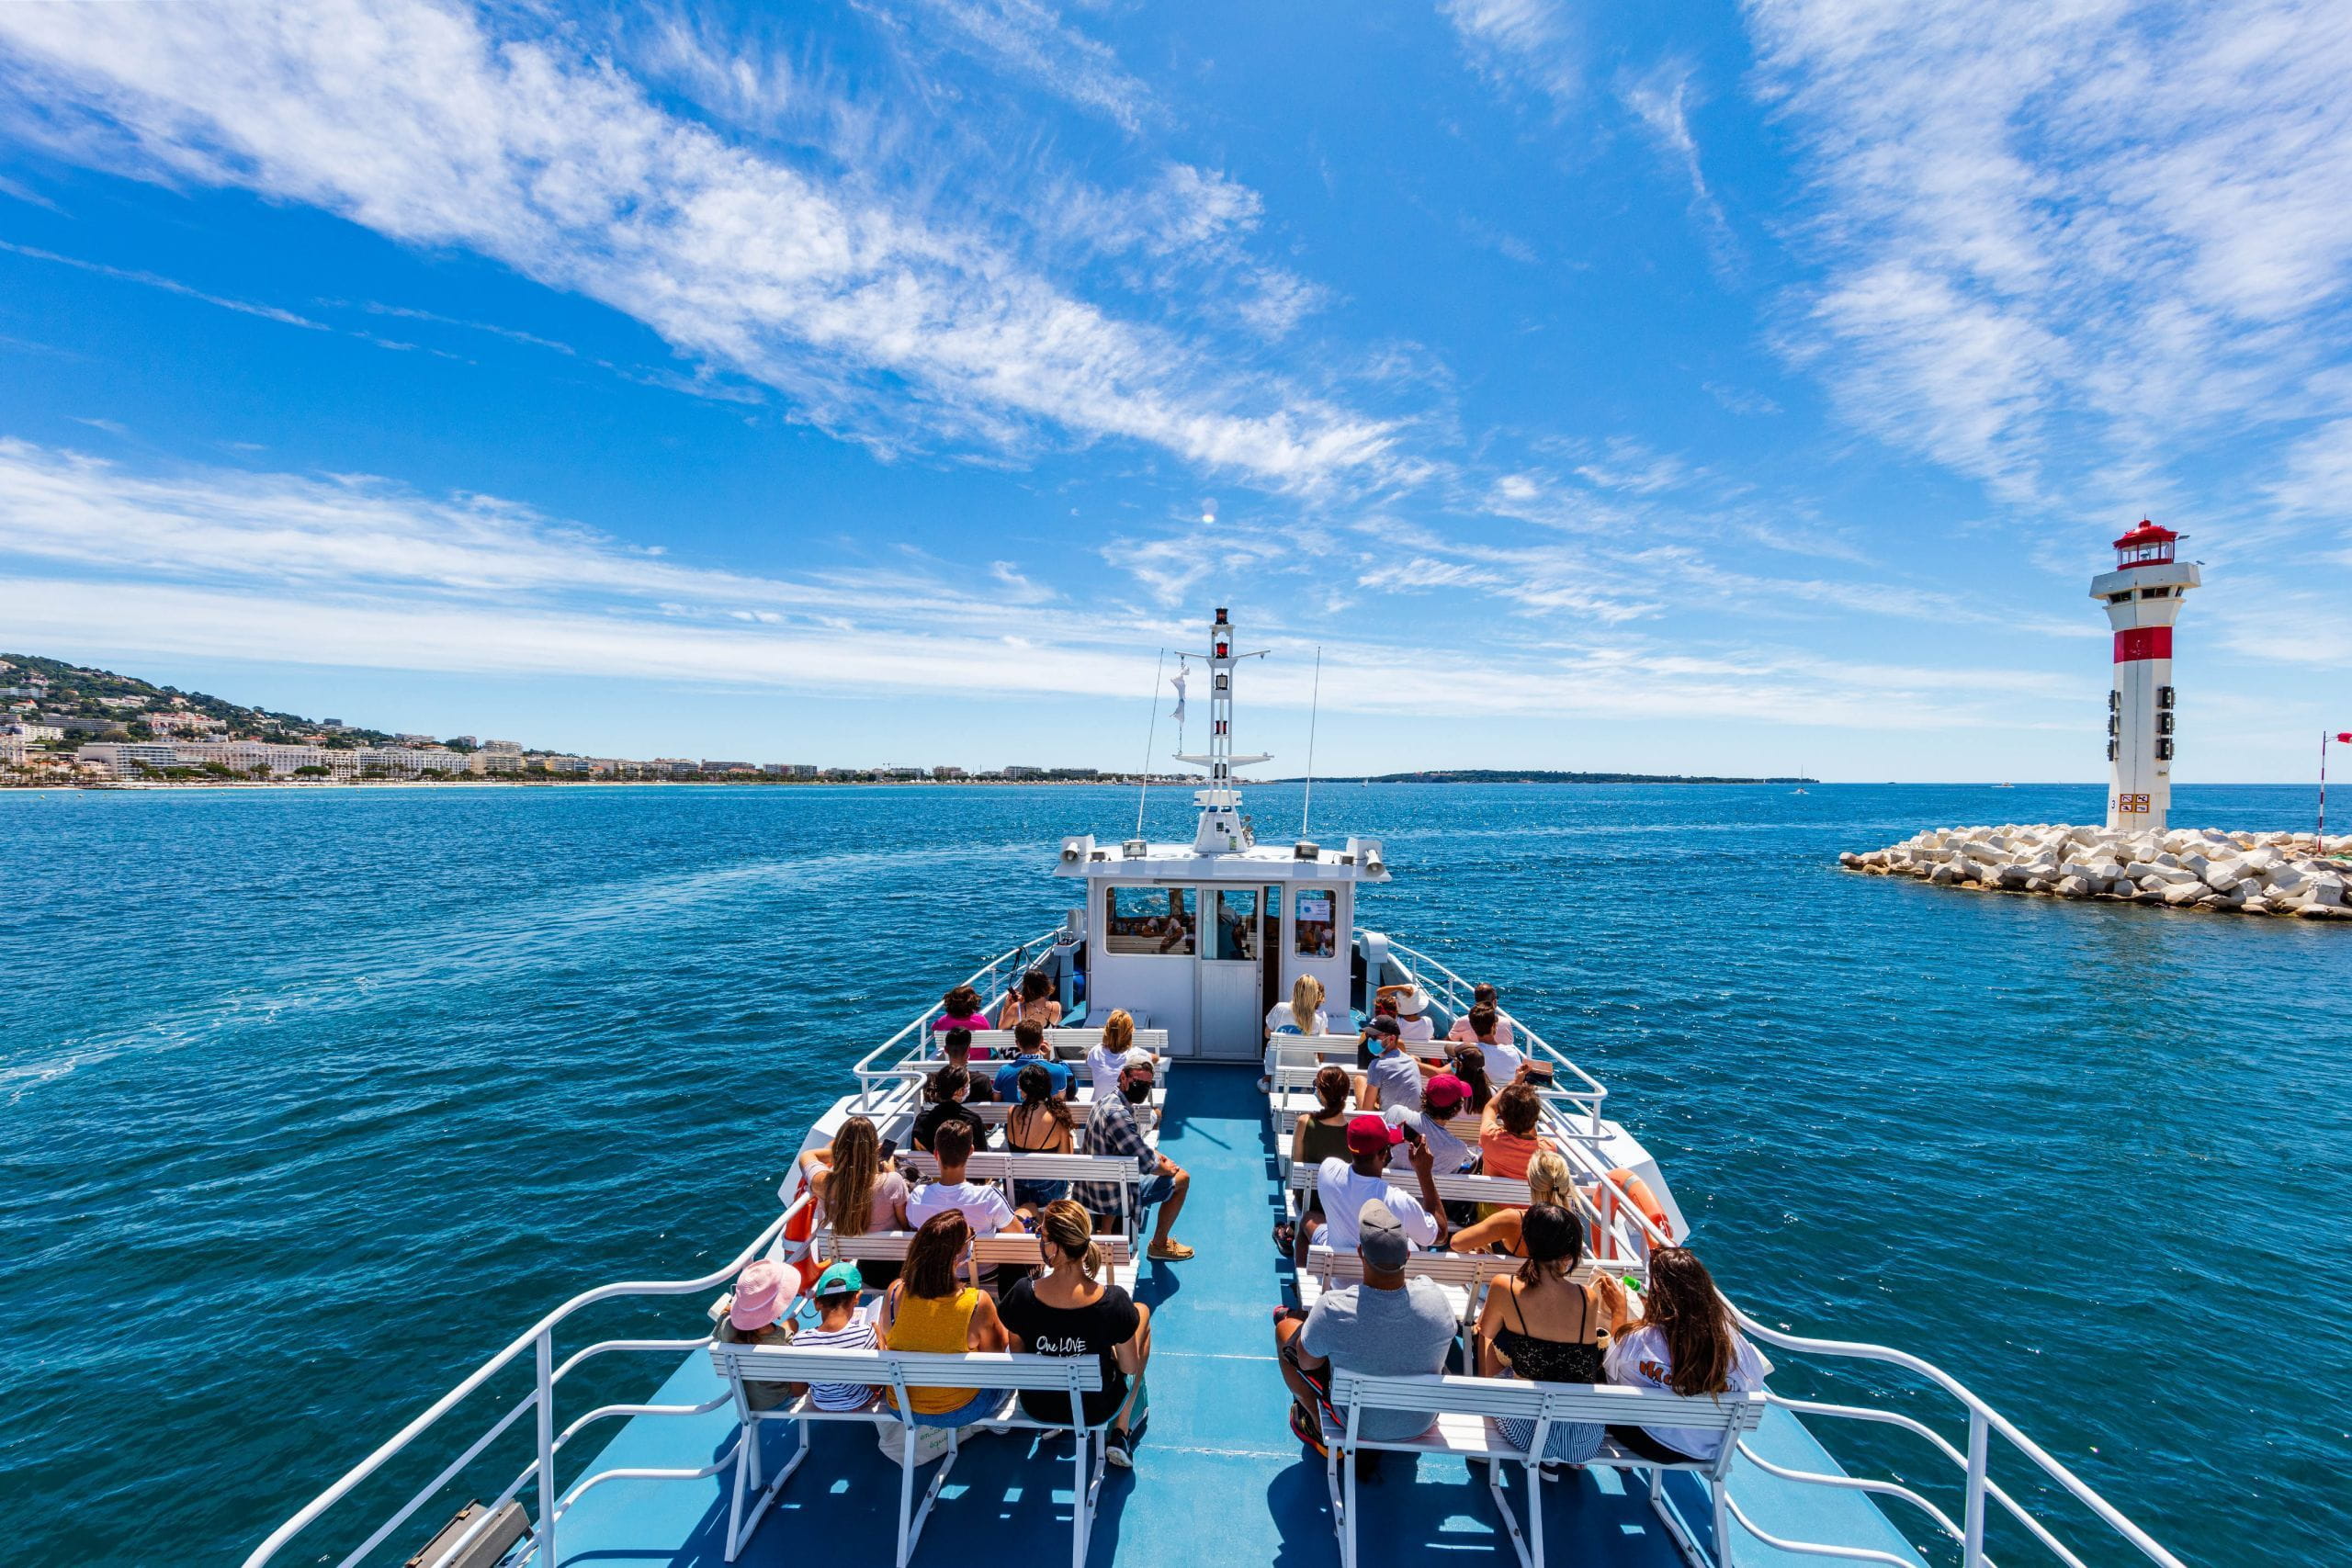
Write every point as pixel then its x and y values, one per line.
pixel 546 1352
pixel 1971 1550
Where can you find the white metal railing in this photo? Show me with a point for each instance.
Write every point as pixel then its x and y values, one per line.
pixel 539 1338
pixel 1457 991
pixel 1984 1424
pixel 879 1066
pixel 1635 1233
pixel 1629 1236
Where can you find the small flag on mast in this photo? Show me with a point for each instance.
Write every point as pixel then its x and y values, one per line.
pixel 1179 683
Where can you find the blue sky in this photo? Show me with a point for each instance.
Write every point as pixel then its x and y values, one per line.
pixel 1727 388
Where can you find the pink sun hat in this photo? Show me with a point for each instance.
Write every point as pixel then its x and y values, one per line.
pixel 759 1297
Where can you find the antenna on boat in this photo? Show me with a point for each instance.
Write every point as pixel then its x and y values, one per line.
pixel 1150 733
pixel 1314 705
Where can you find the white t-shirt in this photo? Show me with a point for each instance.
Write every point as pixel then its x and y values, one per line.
pixel 1639 1359
pixel 1103 1066
pixel 1278 1020
pixel 1448 1154
pixel 1418 1028
pixel 984 1207
pixel 1502 1058
pixel 1344 1192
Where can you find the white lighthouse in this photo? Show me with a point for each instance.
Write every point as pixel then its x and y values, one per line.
pixel 2142 596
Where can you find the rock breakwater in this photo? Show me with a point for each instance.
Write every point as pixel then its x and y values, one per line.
pixel 2186 868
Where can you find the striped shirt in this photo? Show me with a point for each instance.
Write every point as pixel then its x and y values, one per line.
pixel 857 1334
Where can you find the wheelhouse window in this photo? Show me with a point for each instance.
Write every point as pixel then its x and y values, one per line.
pixel 1312 918
pixel 1149 920
pixel 1233 935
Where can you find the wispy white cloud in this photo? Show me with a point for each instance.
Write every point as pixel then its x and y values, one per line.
pixel 431 128
pixel 1031 42
pixel 1661 101
pixel 2315 474
pixel 169 285
pixel 2064 239
pixel 356 571
pixel 1515 43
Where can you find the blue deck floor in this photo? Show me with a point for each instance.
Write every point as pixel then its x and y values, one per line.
pixel 1218 1479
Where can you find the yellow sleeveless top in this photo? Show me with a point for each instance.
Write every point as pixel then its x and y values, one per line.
pixel 929 1323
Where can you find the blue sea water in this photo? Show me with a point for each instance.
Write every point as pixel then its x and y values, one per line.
pixel 310 1100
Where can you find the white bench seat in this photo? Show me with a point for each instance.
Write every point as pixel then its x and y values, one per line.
pixel 999 1251
pixel 1464 1410
pixel 745 1366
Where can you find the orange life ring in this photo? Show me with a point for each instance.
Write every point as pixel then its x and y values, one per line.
pixel 802 1228
pixel 1622 1186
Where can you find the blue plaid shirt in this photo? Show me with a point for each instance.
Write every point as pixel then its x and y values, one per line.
pixel 1111 1129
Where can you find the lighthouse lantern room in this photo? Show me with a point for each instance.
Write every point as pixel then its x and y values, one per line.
pixel 2142 596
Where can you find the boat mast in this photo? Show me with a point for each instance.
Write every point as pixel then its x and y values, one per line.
pixel 1221 826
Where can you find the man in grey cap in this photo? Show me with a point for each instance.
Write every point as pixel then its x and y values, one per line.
pixel 1388 1327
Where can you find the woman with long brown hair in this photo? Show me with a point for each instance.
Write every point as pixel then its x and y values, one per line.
pixel 1684 1341
pixel 1032 1003
pixel 1466 1063
pixel 1040 1125
pixel 1069 1311
pixel 855 1191
pixel 1541 1325
pixel 931 1309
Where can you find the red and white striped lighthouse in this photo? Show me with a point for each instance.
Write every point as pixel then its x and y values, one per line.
pixel 2142 597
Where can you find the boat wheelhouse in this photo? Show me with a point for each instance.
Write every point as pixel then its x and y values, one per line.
pixel 1201 940
pixel 579 1462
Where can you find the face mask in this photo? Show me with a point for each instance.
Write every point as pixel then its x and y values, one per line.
pixel 1137 1093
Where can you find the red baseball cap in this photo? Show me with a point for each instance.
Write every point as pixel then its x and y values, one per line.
pixel 1372 1135
pixel 1445 1089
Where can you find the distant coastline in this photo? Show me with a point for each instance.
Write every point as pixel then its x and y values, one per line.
pixel 1545 775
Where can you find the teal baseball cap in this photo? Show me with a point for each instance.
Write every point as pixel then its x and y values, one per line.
pixel 839 1279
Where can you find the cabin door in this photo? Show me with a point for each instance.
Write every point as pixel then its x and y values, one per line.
pixel 1230 968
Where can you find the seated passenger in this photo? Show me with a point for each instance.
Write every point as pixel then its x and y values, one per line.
pixel 1317 1135
pixel 982 1206
pixel 1069 1311
pixel 1685 1341
pixel 855 1191
pixel 1112 1129
pixel 1542 1326
pixel 1443 1099
pixel 1108 1059
pixel 753 1316
pixel 1322 1133
pixel 1490 1034
pixel 832 1321
pixel 1469 1064
pixel 1394 1077
pixel 1033 1003
pixel 1507 1132
pixel 931 1309
pixel 1303 1014
pixel 1410 1006
pixel 946 1091
pixel 1483 997
pixel 1548 1181
pixel 956 1046
pixel 1040 1125
pixel 1029 1046
pixel 960 1009
pixel 1344 1186
pixel 1390 1325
